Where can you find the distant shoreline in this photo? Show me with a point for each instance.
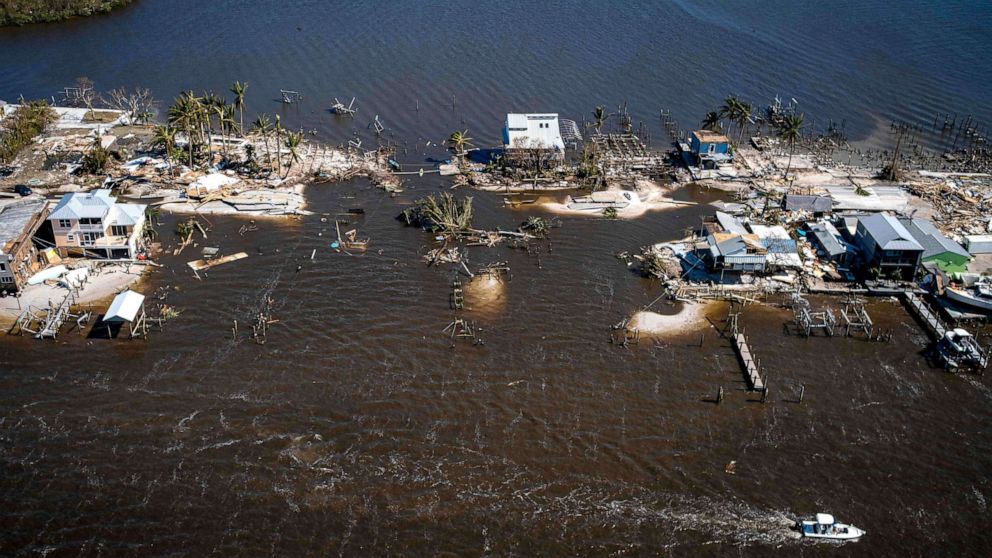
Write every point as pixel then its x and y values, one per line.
pixel 25 12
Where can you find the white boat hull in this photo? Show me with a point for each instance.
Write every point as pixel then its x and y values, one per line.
pixel 828 530
pixel 964 297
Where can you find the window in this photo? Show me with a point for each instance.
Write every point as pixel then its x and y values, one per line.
pixel 65 223
pixel 118 230
pixel 6 279
pixel 3 267
pixel 89 238
pixel 70 238
pixel 90 221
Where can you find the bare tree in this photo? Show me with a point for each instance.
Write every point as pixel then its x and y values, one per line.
pixel 83 93
pixel 138 104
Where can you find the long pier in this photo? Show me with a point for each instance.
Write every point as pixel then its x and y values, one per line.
pixel 751 370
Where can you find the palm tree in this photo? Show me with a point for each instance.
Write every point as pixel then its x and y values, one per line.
pixel 458 141
pixel 239 89
pixel 744 111
pixel 293 141
pixel 278 130
pixel 262 126
pixel 731 109
pixel 210 103
pixel 218 108
pixel 185 115
pixel 791 129
pixel 227 120
pixel 599 117
pixel 165 137
pixel 711 121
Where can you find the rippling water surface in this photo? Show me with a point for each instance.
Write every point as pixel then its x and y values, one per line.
pixel 358 429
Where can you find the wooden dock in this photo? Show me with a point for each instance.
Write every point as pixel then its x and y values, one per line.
pixel 751 370
pixel 926 315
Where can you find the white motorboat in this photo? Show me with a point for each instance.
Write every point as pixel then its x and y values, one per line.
pixel 825 527
pixel 978 295
pixel 598 201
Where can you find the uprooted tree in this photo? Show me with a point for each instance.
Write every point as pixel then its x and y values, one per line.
pixel 444 213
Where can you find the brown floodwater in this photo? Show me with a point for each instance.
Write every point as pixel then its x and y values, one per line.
pixel 360 429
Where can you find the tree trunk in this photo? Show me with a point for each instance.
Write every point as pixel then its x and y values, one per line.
pixel 788 167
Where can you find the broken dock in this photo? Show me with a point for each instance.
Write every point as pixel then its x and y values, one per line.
pixel 750 365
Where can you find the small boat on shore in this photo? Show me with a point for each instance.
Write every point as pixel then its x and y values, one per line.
pixel 825 527
pixel 598 201
pixel 977 295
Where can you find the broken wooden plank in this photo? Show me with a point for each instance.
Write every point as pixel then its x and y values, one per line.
pixel 199 265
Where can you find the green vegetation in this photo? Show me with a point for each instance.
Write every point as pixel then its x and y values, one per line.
pixel 97 160
pixel 445 214
pixel 458 141
pixel 18 129
pixel 21 12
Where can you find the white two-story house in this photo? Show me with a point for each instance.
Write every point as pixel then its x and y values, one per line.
pixel 93 224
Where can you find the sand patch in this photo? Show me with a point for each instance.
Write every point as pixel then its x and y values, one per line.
pixel 691 317
pixel 651 197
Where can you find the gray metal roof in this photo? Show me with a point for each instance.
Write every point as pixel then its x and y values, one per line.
pixel 15 216
pixel 81 205
pixel 813 204
pixel 730 223
pixel 932 240
pixel 889 233
pixel 827 238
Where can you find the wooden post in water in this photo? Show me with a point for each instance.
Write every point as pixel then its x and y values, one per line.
pixel 719 395
pixel 764 391
pixel 802 393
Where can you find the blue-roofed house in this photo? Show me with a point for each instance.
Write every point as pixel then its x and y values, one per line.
pixel 95 224
pixel 888 247
pixel 710 148
pixel 949 256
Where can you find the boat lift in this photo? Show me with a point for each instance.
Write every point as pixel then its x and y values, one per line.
pixel 339 108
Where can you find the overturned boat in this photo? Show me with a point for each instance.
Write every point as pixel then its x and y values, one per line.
pixel 825 527
pixel 598 201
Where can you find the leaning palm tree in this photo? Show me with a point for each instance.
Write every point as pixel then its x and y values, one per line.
pixel 239 89
pixel 293 141
pixel 711 121
pixel 599 116
pixel 791 131
pixel 262 126
pixel 458 141
pixel 165 137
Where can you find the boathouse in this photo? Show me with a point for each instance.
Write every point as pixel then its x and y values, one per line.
pixel 710 149
pixel 949 256
pixel 19 222
pixel 888 247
